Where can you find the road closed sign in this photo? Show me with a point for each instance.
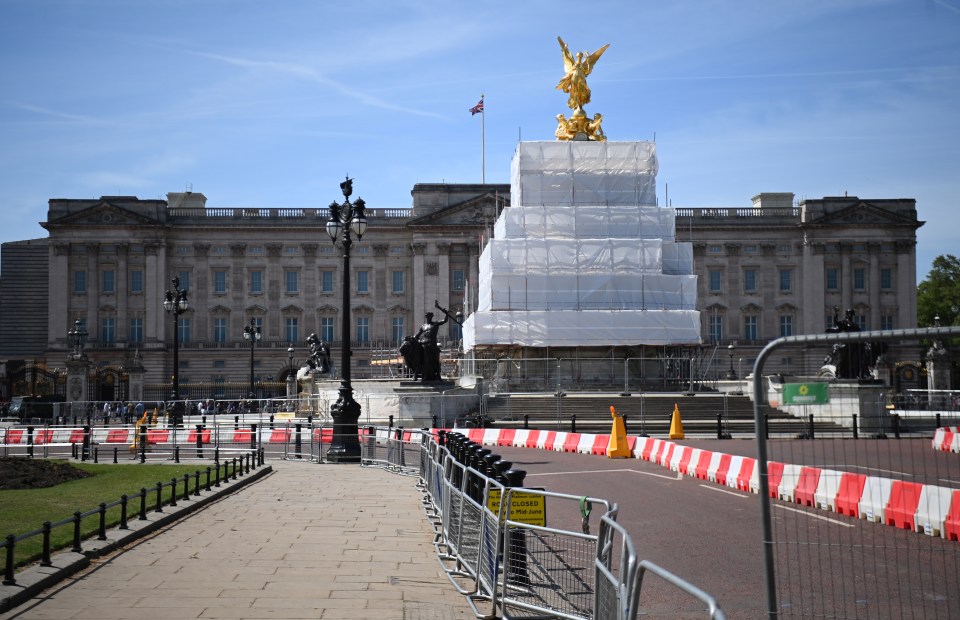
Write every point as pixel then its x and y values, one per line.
pixel 525 507
pixel 806 393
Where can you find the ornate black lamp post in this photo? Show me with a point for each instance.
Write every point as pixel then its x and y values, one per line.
pixel 77 338
pixel 251 333
pixel 175 303
pixel 344 218
pixel 731 374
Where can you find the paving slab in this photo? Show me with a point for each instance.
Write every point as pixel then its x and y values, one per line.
pixel 305 541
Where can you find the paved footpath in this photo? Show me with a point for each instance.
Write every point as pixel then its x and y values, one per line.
pixel 307 541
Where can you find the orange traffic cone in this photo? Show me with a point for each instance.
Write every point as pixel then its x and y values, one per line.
pixel 676 424
pixel 617 446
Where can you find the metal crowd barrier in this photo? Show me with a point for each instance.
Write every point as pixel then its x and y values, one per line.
pixel 394 449
pixel 495 543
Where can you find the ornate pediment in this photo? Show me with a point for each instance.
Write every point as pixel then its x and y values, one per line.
pixel 478 211
pixel 255 309
pixel 863 214
pixel 105 213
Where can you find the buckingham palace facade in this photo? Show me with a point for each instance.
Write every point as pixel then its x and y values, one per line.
pixel 775 267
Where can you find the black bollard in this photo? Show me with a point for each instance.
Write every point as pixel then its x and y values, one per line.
pixel 199 441
pixel 856 433
pixel 390 423
pixel 296 441
pixel 434 418
pixel 143 443
pixel 811 427
pixel 271 421
pixel 573 423
pixel 115 455
pixel 86 443
pixel 30 441
pixel 526 421
pixel 896 425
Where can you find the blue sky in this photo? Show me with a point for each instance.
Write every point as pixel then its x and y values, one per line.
pixel 270 104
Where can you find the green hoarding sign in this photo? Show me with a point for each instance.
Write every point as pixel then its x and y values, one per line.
pixel 806 393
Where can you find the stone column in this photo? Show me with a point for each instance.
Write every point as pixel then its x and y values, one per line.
pixel 419 277
pixel 122 288
pixel 93 291
pixel 78 369
pixel 60 285
pixel 155 283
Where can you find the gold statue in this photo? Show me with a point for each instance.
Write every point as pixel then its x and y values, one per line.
pixel 574 83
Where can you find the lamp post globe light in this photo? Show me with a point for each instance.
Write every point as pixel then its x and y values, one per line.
pixel 252 334
pixel 175 303
pixel 731 374
pixel 345 218
pixel 77 338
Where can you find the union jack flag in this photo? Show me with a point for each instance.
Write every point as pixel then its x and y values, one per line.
pixel 477 109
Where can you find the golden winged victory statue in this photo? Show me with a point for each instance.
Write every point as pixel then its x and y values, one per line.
pixel 574 83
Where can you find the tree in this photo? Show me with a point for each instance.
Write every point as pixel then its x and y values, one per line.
pixel 939 294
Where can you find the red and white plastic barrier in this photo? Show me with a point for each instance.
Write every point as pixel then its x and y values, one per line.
pixel 930 509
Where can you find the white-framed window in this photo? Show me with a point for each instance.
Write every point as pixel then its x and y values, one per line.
pixel 136 330
pixel 219 329
pixel 786 280
pixel 397 329
pixel 750 327
pixel 886 278
pixel 363 281
pixel 108 329
pixel 183 330
pixel 326 328
pixel 714 276
pixel 859 278
pixel 397 281
pixel 786 325
pixel 219 281
pixel 293 281
pixel 292 325
pixel 886 321
pixel 833 279
pixel 79 282
pixel 363 329
pixel 184 280
pixel 136 281
pixel 749 280
pixel 326 281
pixel 459 280
pixel 256 282
pixel 108 282
pixel 716 328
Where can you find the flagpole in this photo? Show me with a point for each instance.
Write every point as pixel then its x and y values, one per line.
pixel 483 144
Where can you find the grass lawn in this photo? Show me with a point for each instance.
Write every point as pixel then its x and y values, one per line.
pixel 23 511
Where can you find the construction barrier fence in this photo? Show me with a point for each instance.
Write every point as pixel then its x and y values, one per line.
pixel 516 551
pixel 819 500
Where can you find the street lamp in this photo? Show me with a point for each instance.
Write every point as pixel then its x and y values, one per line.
pixel 731 374
pixel 77 338
pixel 175 303
pixel 252 334
pixel 344 218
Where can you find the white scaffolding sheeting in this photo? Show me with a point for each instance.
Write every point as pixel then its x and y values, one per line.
pixel 586 292
pixel 586 222
pixel 572 256
pixel 572 173
pixel 540 328
pixel 583 257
